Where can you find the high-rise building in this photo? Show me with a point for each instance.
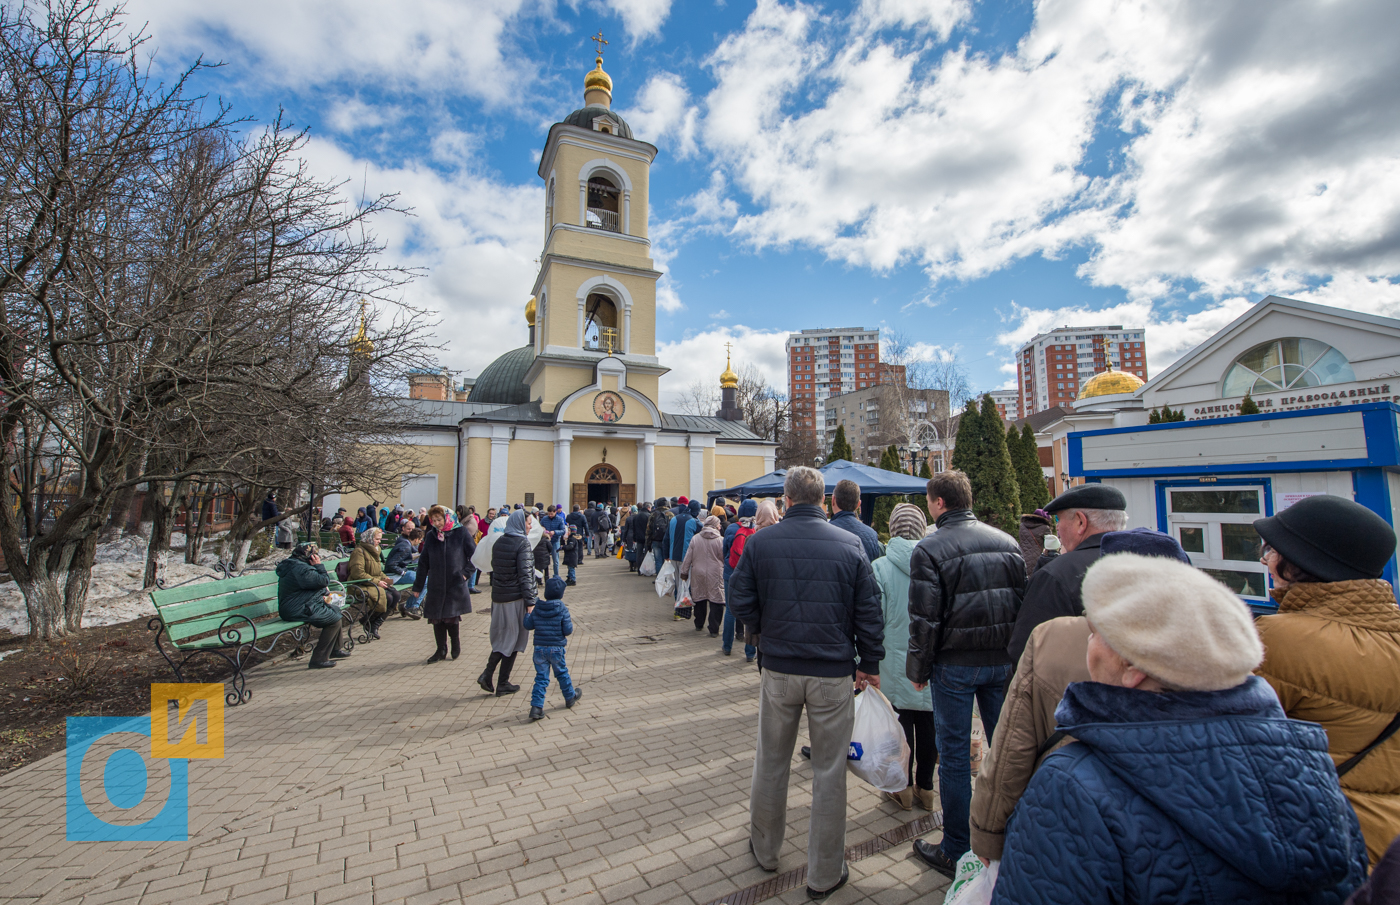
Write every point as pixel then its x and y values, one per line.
pixel 1008 403
pixel 826 363
pixel 1051 368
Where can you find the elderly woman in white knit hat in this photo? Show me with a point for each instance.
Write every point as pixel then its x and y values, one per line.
pixel 1187 783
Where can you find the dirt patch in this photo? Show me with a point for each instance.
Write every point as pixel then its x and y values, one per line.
pixel 102 671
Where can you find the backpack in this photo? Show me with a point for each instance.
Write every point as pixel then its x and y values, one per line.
pixel 736 549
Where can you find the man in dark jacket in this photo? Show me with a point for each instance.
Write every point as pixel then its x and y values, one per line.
pixel 656 532
pixel 1084 515
pixel 302 585
pixel 1186 782
pixel 636 535
pixel 590 518
pixel 554 526
pixel 807 589
pixel 966 582
pixel 269 508
pixel 602 524
pixel 578 521
pixel 845 506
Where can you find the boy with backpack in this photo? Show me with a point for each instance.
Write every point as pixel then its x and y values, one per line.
pixel 552 627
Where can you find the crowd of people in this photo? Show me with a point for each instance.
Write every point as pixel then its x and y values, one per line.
pixel 1148 738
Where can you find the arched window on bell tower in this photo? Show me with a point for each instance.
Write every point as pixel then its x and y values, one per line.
pixel 604 205
pixel 600 330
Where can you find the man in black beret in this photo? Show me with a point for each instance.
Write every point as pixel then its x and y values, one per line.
pixel 1083 515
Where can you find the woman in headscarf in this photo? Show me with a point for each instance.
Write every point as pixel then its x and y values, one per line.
pixel 512 596
pixel 446 557
pixel 704 568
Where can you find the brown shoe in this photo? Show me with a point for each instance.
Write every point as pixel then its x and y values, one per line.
pixel 923 798
pixel 904 799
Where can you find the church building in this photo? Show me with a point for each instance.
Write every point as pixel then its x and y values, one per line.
pixel 571 416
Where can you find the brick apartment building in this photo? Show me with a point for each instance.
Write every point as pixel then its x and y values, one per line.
pixel 826 363
pixel 438 385
pixel 1051 367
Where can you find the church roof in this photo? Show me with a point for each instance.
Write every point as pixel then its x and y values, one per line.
pixel 503 380
pixel 584 117
pixel 705 424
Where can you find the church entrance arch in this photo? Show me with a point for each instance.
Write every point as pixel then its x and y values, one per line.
pixel 603 484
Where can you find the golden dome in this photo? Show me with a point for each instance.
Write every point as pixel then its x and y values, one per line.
pixel 530 311
pixel 728 380
pixel 597 79
pixel 361 344
pixel 1110 383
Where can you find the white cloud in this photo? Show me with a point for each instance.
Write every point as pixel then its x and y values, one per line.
pixel 720 315
pixel 1249 147
pixel 476 238
pixel 700 357
pixel 642 18
pixel 453 147
pixel 665 114
pixel 350 115
pixel 416 44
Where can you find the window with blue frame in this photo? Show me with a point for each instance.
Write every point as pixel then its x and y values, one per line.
pixel 1214 527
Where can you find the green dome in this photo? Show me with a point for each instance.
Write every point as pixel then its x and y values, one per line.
pixel 503 380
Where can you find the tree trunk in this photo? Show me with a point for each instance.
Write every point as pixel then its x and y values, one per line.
pixel 44 602
pixel 79 579
pixel 195 542
pixel 161 525
pixel 240 554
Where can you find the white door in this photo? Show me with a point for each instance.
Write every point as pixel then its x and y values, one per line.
pixel 1214 526
pixel 419 490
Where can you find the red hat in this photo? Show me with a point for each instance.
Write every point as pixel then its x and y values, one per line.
pixel 684 501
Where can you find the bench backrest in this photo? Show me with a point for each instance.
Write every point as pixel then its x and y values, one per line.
pixel 200 608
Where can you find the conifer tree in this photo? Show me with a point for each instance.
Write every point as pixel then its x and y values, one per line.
pixel 889 461
pixel 967 449
pixel 1029 477
pixel 840 449
pixel 1249 406
pixel 1155 417
pixel 995 494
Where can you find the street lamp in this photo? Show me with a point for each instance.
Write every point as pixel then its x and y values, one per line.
pixel 817 461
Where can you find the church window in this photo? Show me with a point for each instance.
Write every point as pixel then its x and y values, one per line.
pixel 600 331
pixel 604 204
pixel 1285 364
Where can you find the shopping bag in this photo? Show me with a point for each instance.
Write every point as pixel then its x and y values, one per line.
pixel 972 883
pixel 879 753
pixel 684 594
pixel 666 580
pixel 648 566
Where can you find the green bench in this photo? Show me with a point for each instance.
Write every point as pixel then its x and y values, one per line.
pixel 231 618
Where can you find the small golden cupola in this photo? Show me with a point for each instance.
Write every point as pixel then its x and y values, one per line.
pixel 598 85
pixel 728 379
pixel 729 391
pixel 530 310
pixel 361 344
pixel 1110 382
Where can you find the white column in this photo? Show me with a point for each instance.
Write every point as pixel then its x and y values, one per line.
pixel 500 464
pixel 627 331
pixel 627 211
pixel 697 470
pixel 462 469
pixel 563 487
pixel 582 203
pixel 648 460
pixel 580 323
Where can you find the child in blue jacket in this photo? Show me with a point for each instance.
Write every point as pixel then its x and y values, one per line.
pixel 552 627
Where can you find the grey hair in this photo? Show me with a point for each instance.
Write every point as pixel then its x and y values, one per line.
pixel 1100 520
pixel 804 486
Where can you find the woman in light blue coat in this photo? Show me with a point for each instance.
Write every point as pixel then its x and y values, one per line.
pixel 915 708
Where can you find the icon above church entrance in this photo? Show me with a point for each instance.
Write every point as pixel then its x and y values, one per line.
pixel 608 407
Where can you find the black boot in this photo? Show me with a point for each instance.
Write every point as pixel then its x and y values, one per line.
pixel 484 680
pixel 440 634
pixel 503 685
pixel 456 640
pixel 375 622
pixel 536 713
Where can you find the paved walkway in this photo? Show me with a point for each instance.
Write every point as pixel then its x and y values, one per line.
pixel 390 780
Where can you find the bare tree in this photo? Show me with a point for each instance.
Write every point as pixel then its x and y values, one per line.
pixel 177 306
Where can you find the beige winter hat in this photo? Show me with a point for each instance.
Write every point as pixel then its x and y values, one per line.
pixel 1171 621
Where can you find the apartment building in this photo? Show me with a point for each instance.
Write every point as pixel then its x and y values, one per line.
pixel 438 385
pixel 887 415
pixel 826 363
pixel 1051 367
pixel 1008 403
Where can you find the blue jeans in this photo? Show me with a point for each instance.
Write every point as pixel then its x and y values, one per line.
pixel 726 638
pixel 547 658
pixel 554 552
pixel 406 578
pixel 657 557
pixel 953 688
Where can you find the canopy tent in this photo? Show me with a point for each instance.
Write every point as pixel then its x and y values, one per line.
pixel 874 482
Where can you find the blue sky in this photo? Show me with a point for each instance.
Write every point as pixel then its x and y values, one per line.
pixel 969 173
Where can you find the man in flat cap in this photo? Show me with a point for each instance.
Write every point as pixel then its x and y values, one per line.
pixel 1083 515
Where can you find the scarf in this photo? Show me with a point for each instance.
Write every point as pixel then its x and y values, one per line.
pixel 515 525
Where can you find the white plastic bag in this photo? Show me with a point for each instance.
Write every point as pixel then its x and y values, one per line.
pixel 683 599
pixel 666 579
pixel 972 883
pixel 481 559
pixel 879 753
pixel 648 566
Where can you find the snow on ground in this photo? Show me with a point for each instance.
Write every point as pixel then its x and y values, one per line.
pixel 115 594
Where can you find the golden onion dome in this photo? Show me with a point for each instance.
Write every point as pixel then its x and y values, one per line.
pixel 530 309
pixel 1110 383
pixel 597 79
pixel 361 344
pixel 728 380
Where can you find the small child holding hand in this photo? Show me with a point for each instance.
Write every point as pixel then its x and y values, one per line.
pixel 552 627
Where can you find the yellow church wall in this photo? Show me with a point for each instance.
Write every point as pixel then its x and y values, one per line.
pixel 736 469
pixel 478 484
pixel 672 471
pixel 581 409
pixel 416 460
pixel 585 452
pixel 531 470
pixel 599 245
pixel 568 166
